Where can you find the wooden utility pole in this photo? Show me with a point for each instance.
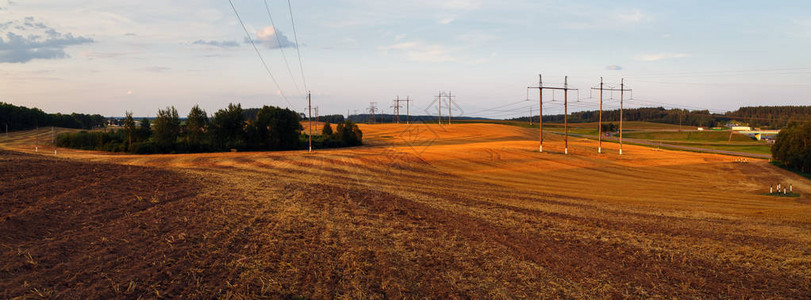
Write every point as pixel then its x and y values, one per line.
pixel 449 107
pixel 439 107
pixel 530 115
pixel 622 97
pixel 621 90
pixel 600 130
pixel 53 139
pixel 540 88
pixel 310 121
pixel 600 123
pixel 408 104
pixel 566 115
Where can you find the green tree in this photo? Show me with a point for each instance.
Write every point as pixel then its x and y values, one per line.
pixel 144 130
pixel 327 130
pixel 228 127
pixel 196 124
pixel 129 127
pixel 349 134
pixel 166 128
pixel 278 128
pixel 792 147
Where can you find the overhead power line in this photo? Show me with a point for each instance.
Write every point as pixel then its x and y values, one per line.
pixel 295 37
pixel 281 48
pixel 267 68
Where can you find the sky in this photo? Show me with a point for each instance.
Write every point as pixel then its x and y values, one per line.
pixel 109 57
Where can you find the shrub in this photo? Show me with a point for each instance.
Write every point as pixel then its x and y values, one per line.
pixel 792 148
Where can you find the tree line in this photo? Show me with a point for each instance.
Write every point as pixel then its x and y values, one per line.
pixel 792 147
pixel 701 118
pixel 766 117
pixel 772 117
pixel 22 118
pixel 269 128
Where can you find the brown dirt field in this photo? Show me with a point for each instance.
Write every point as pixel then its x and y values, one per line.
pixel 460 211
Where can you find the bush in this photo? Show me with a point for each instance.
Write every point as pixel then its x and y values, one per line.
pixel 145 148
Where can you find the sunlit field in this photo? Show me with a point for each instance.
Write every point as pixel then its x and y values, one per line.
pixel 421 210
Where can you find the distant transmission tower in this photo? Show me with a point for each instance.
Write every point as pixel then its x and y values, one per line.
pixel 372 110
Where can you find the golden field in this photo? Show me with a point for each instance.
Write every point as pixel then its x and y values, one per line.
pixel 421 210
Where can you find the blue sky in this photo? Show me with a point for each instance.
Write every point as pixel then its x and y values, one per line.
pixel 109 57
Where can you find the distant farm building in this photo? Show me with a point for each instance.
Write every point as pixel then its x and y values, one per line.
pixel 759 135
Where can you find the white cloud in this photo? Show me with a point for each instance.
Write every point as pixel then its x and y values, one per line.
pixel 416 51
pixel 661 56
pixel 34 40
pixel 635 17
pixel 218 44
pixel 273 38
pixel 446 21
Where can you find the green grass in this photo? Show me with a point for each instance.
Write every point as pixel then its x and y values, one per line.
pixel 787 195
pixel 703 136
pixel 747 147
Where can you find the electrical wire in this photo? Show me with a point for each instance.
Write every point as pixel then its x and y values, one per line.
pixel 298 52
pixel 267 68
pixel 281 48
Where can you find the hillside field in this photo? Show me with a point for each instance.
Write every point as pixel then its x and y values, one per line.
pixel 467 210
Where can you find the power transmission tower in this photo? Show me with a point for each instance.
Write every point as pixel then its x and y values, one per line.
pixel 396 107
pixel 310 121
pixel 600 130
pixel 530 115
pixel 566 90
pixel 372 110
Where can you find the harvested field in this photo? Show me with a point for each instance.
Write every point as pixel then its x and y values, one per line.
pixel 462 211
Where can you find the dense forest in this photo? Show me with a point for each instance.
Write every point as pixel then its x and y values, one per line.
pixel 766 117
pixel 648 114
pixel 792 148
pixel 21 118
pixel 269 128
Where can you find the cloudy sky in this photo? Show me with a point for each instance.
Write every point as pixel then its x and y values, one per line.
pixel 109 57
